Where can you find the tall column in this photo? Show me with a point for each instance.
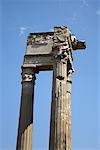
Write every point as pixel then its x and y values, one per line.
pixel 58 132
pixel 24 139
pixel 60 138
pixel 60 110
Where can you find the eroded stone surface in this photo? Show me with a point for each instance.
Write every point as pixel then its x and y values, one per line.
pixel 49 51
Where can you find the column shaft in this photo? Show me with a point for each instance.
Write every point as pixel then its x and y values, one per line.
pixel 58 108
pixel 60 125
pixel 60 115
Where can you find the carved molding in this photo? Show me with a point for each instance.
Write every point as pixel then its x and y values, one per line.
pixel 39 39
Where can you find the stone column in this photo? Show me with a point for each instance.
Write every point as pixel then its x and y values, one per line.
pixel 58 107
pixel 24 139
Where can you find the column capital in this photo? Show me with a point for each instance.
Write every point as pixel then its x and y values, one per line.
pixel 62 47
pixel 28 75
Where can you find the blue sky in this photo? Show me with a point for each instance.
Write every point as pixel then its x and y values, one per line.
pixel 18 19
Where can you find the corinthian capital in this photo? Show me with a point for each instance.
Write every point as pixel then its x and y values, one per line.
pixel 28 77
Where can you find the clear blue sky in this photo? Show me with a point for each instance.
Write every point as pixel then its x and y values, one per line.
pixel 18 19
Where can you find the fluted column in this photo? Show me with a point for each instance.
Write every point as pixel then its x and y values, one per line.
pixel 24 139
pixel 58 107
pixel 60 113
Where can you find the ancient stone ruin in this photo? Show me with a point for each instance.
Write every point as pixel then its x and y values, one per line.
pixel 49 51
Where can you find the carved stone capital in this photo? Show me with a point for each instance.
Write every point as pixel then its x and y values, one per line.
pixel 62 44
pixel 28 76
